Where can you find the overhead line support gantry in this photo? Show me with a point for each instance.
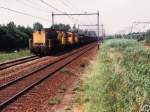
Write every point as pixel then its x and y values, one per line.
pixel 78 14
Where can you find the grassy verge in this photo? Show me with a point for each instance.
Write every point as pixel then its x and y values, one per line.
pixel 119 79
pixel 5 56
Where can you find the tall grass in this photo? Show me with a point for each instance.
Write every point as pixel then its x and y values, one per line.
pixel 5 56
pixel 120 78
pixel 147 39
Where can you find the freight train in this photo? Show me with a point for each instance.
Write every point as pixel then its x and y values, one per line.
pixel 46 41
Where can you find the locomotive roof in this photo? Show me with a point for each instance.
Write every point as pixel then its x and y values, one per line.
pixel 50 29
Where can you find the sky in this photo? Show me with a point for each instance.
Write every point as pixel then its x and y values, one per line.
pixel 116 15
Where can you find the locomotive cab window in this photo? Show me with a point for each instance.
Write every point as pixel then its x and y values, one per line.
pixel 39 31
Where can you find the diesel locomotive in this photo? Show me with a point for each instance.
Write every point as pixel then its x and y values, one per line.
pixel 49 40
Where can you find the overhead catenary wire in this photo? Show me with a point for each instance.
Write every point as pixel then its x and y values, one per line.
pixel 58 10
pixel 31 6
pixel 31 2
pixel 71 17
pixel 22 13
pixel 68 6
pixel 40 9
pixel 51 6
pixel 68 1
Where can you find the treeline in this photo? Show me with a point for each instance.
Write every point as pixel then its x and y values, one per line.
pixel 73 29
pixel 13 37
pixel 139 36
pixel 16 37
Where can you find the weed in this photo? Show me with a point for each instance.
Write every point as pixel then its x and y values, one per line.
pixel 68 108
pixel 62 89
pixel 68 71
pixel 119 79
pixel 55 100
pixel 78 88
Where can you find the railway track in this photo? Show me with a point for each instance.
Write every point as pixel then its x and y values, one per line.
pixel 10 91
pixel 17 62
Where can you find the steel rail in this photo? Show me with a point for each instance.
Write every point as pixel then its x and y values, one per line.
pixel 17 62
pixel 43 67
pixel 12 98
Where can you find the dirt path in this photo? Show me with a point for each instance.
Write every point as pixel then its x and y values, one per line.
pixel 147 45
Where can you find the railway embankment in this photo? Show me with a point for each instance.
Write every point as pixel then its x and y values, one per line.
pixel 118 80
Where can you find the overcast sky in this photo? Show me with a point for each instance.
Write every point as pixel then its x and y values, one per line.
pixel 114 14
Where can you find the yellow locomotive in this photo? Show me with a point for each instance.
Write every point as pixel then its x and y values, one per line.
pixel 46 41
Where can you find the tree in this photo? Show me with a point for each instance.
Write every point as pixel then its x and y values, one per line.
pixel 37 26
pixel 74 29
pixel 92 33
pixel 62 27
pixel 14 37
